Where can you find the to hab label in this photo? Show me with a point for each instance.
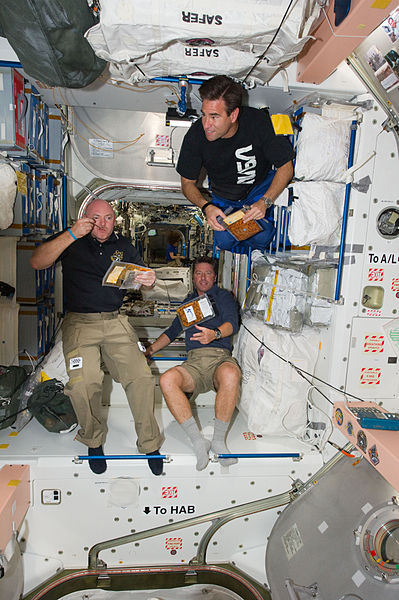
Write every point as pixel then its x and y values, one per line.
pixel 170 510
pixel 373 343
pixel 292 541
pixel 392 259
pixel 370 376
pixel 376 275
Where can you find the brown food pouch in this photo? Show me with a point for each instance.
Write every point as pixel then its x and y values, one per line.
pixel 238 229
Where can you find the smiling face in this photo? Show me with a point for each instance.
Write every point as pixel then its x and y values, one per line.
pixel 104 219
pixel 216 122
pixel 204 277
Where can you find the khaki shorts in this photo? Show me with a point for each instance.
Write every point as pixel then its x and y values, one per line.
pixel 202 363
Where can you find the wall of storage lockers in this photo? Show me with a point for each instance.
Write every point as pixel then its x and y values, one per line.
pixel 32 138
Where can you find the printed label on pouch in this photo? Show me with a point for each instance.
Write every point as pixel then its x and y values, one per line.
pixel 75 363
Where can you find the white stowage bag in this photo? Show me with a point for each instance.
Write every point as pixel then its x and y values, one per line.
pixel 284 297
pixel 133 28
pixel 141 39
pixel 273 395
pixel 322 148
pixel 8 191
pixel 54 364
pixel 316 213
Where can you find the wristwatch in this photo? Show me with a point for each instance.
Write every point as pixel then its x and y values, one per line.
pixel 268 202
pixel 218 334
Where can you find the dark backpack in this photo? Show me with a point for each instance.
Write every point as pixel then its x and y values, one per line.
pixel 51 407
pixel 11 378
pixel 48 38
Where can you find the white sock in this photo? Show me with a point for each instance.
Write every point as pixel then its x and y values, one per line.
pixel 200 444
pixel 218 444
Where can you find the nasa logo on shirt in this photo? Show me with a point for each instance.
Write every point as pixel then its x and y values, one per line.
pixel 246 165
pixel 117 255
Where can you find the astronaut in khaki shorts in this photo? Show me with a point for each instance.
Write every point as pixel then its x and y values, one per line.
pixel 209 365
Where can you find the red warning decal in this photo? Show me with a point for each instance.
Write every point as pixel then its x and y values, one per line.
pixel 395 284
pixel 169 492
pixel 376 275
pixel 370 376
pixel 373 343
pixel 248 435
pixel 163 141
pixel 175 543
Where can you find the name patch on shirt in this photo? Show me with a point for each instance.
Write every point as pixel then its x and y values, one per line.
pixel 75 363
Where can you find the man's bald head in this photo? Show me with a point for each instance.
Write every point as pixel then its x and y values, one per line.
pixel 104 218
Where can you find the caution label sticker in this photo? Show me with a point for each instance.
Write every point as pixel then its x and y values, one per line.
pixel 376 275
pixel 373 343
pixel 175 543
pixel 395 284
pixel 169 492
pixel 370 376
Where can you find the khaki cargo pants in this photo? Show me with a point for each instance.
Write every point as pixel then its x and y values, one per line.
pixel 90 339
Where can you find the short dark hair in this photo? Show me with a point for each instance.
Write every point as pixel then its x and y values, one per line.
pixel 223 87
pixel 173 237
pixel 206 259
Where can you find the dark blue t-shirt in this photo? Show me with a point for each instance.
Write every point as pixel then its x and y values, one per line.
pixel 170 249
pixel 226 310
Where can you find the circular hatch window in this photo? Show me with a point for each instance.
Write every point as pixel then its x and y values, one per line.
pixel 388 223
pixel 379 542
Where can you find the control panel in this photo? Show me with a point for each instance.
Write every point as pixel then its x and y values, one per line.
pixel 371 417
pixel 375 432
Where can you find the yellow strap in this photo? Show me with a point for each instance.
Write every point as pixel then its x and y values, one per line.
pixel 269 309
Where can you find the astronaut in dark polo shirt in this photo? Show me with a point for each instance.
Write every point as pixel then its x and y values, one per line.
pixel 93 330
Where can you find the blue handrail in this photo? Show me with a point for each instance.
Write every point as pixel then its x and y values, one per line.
pixel 10 63
pixel 166 457
pixel 261 455
pixel 122 457
pixel 345 213
pixel 177 79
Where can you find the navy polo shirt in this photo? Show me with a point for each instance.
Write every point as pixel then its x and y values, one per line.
pixel 84 264
pixel 226 310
